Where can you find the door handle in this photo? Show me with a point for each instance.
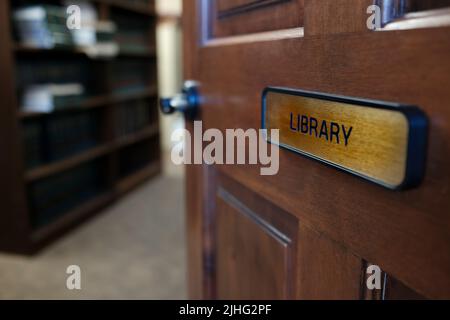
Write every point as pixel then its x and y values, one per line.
pixel 186 102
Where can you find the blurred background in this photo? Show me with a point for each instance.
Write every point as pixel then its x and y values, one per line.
pixel 89 174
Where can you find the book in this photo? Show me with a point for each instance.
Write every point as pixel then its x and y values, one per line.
pixel 131 75
pixel 54 196
pixel 33 148
pixel 71 134
pixel 42 26
pixel 135 157
pixel 133 34
pixel 132 117
pixel 51 97
pixel 58 72
pixel 55 138
pixel 104 45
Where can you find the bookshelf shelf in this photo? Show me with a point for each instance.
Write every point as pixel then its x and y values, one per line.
pixel 30 50
pixel 96 102
pixel 27 49
pixel 46 233
pixel 127 184
pixel 133 138
pixel 143 9
pixel 43 203
pixel 57 167
pixel 60 166
pixel 147 54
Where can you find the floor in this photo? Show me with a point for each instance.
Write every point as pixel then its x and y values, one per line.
pixel 133 250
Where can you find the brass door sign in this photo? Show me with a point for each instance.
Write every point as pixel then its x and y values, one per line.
pixel 378 141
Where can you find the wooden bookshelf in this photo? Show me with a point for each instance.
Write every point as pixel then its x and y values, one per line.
pixel 132 138
pixel 143 9
pixel 96 102
pixel 56 228
pixel 19 232
pixel 66 164
pixel 30 50
pixel 129 183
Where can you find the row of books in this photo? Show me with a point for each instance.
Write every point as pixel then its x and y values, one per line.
pixel 50 26
pixel 133 116
pixel 52 139
pixel 51 97
pixel 53 85
pixel 133 34
pixel 53 26
pixel 129 75
pixel 136 157
pixel 126 74
pixel 33 144
pixel 52 197
pixel 50 71
pixel 141 2
pixel 42 26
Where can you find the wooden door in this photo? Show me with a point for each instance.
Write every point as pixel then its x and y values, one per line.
pixel 311 231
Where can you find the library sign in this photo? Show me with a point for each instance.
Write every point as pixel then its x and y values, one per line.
pixel 378 141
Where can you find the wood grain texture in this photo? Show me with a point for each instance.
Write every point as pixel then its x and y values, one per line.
pixel 241 244
pixel 395 290
pixel 14 219
pixel 406 233
pixel 335 16
pixel 242 17
pixel 391 288
pixel 234 7
pixel 255 248
pixel 197 273
pixel 307 124
pixel 327 270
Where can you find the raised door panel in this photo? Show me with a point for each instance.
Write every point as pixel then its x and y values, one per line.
pixel 255 247
pixel 238 17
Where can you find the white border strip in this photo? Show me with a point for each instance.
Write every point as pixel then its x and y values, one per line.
pixel 257 37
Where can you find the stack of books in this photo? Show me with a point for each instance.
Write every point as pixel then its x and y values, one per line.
pixel 51 97
pixel 46 26
pixel 42 26
pixel 105 45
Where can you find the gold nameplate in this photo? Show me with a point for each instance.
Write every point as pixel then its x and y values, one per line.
pixel 381 142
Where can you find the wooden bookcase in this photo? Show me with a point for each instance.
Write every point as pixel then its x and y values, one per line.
pixel 18 232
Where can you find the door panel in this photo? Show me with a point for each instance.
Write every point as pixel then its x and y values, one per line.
pixel 253 234
pixel 339 219
pixel 231 18
pixel 395 290
pixel 327 269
